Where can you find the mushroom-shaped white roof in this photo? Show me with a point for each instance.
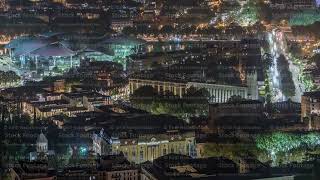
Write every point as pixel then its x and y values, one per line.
pixel 54 49
pixel 25 45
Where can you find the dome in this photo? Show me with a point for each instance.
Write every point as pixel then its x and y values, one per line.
pixel 42 138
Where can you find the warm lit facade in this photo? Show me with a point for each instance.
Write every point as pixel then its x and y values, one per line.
pixel 119 24
pixel 221 93
pixel 146 147
pixel 218 93
pixel 178 89
pixel 67 104
pixel 132 174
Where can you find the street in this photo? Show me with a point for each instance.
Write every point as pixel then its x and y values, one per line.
pixel 278 46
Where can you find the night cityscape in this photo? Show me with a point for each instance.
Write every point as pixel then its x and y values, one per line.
pixel 159 89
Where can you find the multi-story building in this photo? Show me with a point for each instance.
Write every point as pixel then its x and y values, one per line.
pixel 42 152
pixel 119 24
pixel 145 146
pixel 123 46
pixel 68 104
pixel 310 104
pixel 220 93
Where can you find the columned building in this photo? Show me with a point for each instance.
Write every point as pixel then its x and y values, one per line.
pixel 178 89
pixel 146 147
pixel 221 93
pixel 218 93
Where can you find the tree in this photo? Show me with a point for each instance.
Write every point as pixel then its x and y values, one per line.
pixel 195 102
pixel 280 144
pixel 268 60
pixel 235 98
pixel 249 14
pixel 55 69
pixel 143 94
pixel 197 96
pixel 8 77
pixel 316 58
pixel 286 83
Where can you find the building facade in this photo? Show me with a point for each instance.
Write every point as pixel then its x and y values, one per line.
pixel 178 89
pixel 68 104
pixel 218 93
pixel 310 104
pixel 221 93
pixel 146 147
pixel 293 4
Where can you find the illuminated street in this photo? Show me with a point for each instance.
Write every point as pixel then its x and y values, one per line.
pixel 274 74
pixel 278 46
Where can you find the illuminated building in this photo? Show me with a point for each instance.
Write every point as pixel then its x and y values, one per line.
pixel 42 151
pixel 310 104
pixel 54 50
pixel 3 5
pixel 293 4
pixel 218 92
pixel 40 50
pixel 161 87
pixel 145 146
pixel 42 143
pixel 214 3
pixel 95 55
pixel 122 46
pixel 68 104
pixel 118 24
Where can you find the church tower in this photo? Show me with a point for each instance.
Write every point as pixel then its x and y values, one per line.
pixel 252 83
pixel 42 143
